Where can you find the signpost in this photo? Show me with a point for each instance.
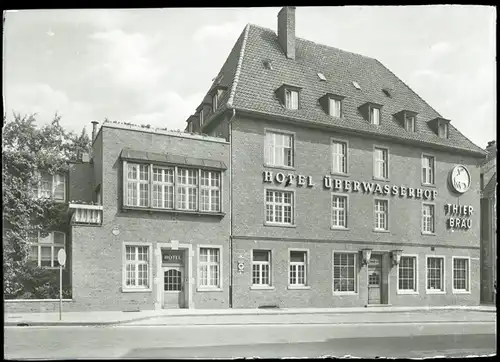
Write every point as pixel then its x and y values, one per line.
pixel 61 258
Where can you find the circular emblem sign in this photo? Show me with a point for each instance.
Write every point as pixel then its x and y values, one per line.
pixel 460 179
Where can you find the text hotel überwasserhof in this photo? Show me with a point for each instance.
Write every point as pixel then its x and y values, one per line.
pixel 337 184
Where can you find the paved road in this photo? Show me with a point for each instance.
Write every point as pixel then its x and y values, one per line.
pixel 300 340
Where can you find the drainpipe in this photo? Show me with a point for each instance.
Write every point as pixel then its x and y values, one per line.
pixel 230 136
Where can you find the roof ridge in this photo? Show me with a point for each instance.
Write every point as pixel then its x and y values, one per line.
pixel 238 68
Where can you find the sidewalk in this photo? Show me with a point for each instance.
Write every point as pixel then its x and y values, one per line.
pixel 118 317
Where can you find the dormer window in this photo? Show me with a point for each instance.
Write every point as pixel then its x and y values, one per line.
pixel 216 98
pixel 371 112
pixel 443 129
pixel 332 104
pixel 410 123
pixel 288 96
pixel 190 126
pixel 407 120
pixel 201 118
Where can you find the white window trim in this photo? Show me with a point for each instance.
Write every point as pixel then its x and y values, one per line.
pixel 379 115
pixel 306 272
pixel 287 133
pixel 346 211
pixel 269 286
pixel 53 261
pixel 176 184
pixel 125 288
pixel 281 224
pixel 346 142
pixel 210 188
pixel 433 218
pixel 204 288
pixel 290 90
pixel 460 291
pixel 356 266
pixel 375 199
pixel 446 129
pixel 202 120
pixel 38 175
pixel 433 291
pixel 433 170
pixel 406 119
pixel 405 291
pixel 333 99
pixel 374 160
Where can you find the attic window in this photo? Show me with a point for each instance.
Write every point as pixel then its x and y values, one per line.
pixel 201 118
pixel 215 98
pixel 268 65
pixel 443 129
pixel 321 76
pixel 374 115
pixel 291 99
pixel 387 92
pixel 356 85
pixel 409 122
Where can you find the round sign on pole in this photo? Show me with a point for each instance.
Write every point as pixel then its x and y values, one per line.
pixel 61 257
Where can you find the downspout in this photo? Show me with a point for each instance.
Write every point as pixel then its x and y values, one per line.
pixel 230 137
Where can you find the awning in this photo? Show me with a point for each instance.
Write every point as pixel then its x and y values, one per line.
pixel 171 159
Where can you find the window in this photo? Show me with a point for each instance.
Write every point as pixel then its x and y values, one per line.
pixel 44 248
pixel 407 274
pixel 279 207
pixel 209 262
pixel 50 186
pixel 381 214
pixel 339 159
pixel 344 272
pixel 461 275
pixel 410 123
pixel 172 188
pixel 298 266
pixel 261 267
pixel 163 187
pixel 210 191
pixel 291 99
pixel 136 267
pixel 427 218
pixel 375 115
pixel 381 163
pixel 201 120
pixel 427 170
pixel 339 211
pixel 279 149
pixel 335 107
pixel 215 100
pixel 435 274
pixel 443 130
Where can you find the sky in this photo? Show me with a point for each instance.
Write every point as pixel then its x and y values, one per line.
pixel 153 66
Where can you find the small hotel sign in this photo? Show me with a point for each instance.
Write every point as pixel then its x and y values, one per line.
pixel 172 257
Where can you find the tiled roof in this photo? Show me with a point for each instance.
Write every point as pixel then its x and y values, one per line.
pixel 256 86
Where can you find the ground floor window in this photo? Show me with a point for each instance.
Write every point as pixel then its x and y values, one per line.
pixel 461 274
pixel 435 274
pixel 209 264
pixel 45 247
pixel 137 267
pixel 344 272
pixel 298 268
pixel 407 274
pixel 261 267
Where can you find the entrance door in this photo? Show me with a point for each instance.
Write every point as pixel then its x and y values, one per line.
pixel 173 287
pixel 374 279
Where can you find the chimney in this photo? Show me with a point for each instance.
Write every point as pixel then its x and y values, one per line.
pixel 492 147
pixel 286 30
pixel 94 129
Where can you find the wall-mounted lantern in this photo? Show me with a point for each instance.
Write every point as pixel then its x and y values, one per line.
pixel 396 256
pixel 367 253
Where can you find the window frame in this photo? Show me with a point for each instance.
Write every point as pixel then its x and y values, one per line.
pixel 346 156
pixel 433 169
pixel 268 162
pixel 375 162
pixel 446 129
pixel 306 263
pixel 422 221
pixel 176 184
pixel 53 261
pixel 375 229
pixel 201 118
pixel 356 270
pixel 370 115
pixel 38 186
pixel 461 291
pixel 293 201
pixel 443 275
pixel 136 289
pixel 346 196
pixel 341 110
pixel 285 102
pixel 205 288
pixel 269 262
pixel 415 273
pixel 413 119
